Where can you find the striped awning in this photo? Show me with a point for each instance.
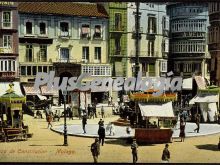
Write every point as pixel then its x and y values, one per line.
pixel 29 89
pixel 46 91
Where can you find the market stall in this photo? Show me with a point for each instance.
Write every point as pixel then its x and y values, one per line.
pixel 11 108
pixel 155 117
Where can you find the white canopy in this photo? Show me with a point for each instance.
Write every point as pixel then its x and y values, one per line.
pixel 204 99
pixel 157 110
pixel 187 84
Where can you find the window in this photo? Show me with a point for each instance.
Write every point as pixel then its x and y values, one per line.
pixel 29 70
pixel 64 54
pixel 34 70
pixel 152 69
pixel 29 27
pixel 97 33
pixel 9 66
pixel 23 70
pixel 7 41
pixel 151 25
pixel 6 65
pixel 164 23
pixel 7 19
pixel 150 48
pixel 85 53
pixel 45 69
pixel 39 68
pixel 85 30
pixel 98 54
pixel 13 65
pixel 29 53
pixel 43 53
pixel 64 29
pixel 117 46
pixel 2 68
pixel 102 70
pixel 42 28
pixel 118 20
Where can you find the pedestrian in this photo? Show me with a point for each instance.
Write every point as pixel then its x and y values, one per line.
pixel 95 149
pixel 197 123
pixel 182 129
pixel 84 122
pixel 89 111
pixel 219 118
pixel 102 112
pixel 166 154
pixel 101 123
pixel 101 133
pixel 49 120
pixel 79 112
pixel 134 147
pixel 71 114
pixel 94 111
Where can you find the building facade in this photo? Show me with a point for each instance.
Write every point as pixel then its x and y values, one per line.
pixel 154 41
pixel 188 39
pixel 117 37
pixel 8 42
pixel 63 37
pixel 214 41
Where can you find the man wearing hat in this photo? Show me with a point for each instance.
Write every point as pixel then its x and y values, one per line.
pixel 166 154
pixel 134 147
pixel 95 149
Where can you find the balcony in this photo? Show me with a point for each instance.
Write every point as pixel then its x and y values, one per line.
pixel 148 74
pixel 85 36
pixel 118 52
pixel 145 53
pixel 41 59
pixel 97 69
pixel 64 34
pixel 6 50
pixel 134 32
pixel 8 26
pixel 97 36
pixel 7 75
pixel 66 60
pixel 117 28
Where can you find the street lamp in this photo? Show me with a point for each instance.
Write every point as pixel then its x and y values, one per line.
pixel 65 128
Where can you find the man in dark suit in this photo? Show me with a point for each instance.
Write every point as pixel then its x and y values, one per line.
pixel 101 133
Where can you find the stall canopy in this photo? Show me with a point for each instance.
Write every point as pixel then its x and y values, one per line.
pixel 204 99
pixel 187 84
pixel 16 87
pixel 157 110
pixel 29 90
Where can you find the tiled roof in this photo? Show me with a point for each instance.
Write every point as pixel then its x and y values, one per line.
pixel 63 8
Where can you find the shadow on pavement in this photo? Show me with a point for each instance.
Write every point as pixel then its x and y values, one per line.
pixel 44 145
pixel 211 147
pixel 124 142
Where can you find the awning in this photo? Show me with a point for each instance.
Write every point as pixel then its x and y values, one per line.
pixel 41 97
pixel 5 86
pixel 157 110
pixel 29 89
pixel 204 99
pixel 45 91
pixel 200 81
pixel 187 84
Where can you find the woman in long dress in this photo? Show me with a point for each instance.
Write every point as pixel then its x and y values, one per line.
pixel 182 130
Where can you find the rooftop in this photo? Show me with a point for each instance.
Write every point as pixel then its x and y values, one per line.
pixel 63 8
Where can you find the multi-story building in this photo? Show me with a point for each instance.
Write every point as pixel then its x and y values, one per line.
pixel 8 41
pixel 188 39
pixel 117 41
pixel 69 38
pixel 154 41
pixel 214 41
